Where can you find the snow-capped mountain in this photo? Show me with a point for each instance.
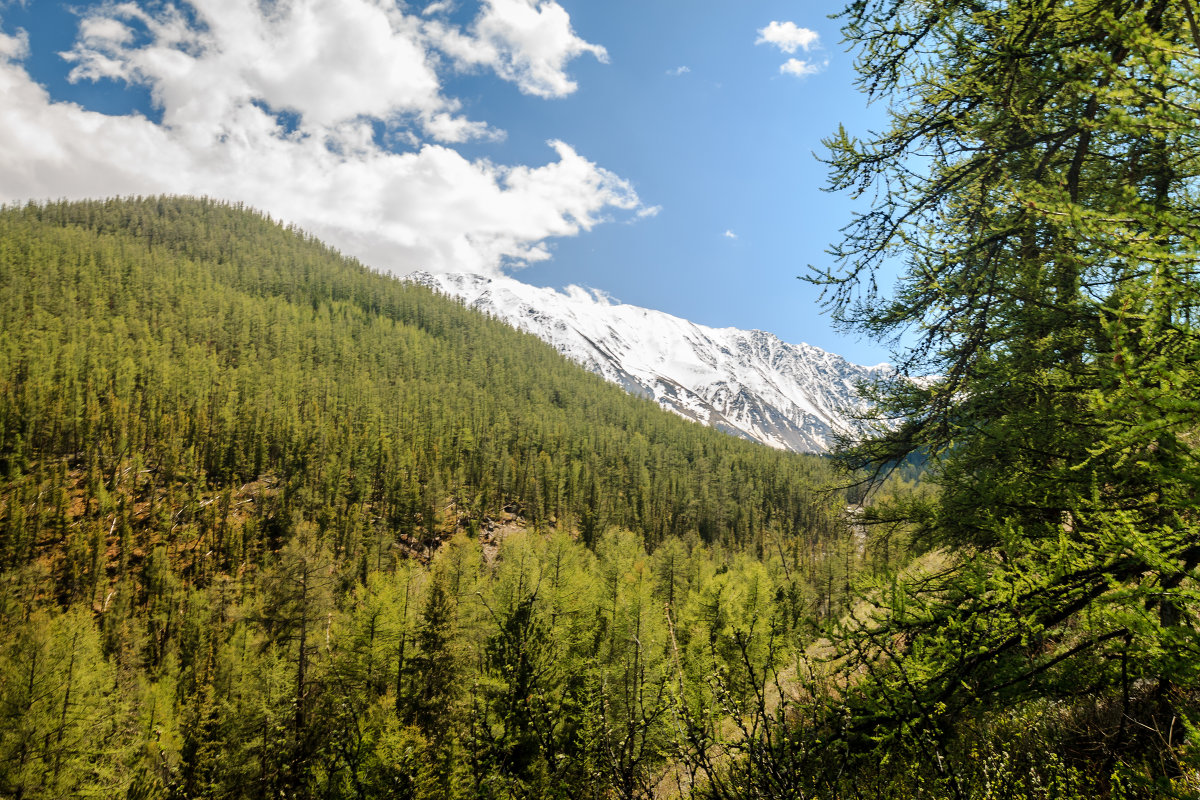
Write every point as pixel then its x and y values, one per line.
pixel 749 383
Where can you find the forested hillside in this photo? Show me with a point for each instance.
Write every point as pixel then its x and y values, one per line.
pixel 275 525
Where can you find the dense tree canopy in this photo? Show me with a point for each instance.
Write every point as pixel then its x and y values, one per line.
pixel 273 525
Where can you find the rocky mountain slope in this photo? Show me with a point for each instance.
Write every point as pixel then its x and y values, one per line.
pixel 748 383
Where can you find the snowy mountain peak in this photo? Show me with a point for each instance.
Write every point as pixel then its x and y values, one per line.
pixel 748 383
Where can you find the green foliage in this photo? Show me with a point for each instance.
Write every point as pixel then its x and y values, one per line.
pixel 273 525
pixel 61 734
pixel 196 347
pixel 1038 185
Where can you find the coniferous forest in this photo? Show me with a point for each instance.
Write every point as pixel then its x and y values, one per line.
pixel 277 526
pixel 274 525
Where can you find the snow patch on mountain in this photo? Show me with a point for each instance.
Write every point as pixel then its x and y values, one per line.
pixel 748 383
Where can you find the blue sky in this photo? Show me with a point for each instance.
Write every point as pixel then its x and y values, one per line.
pixel 657 150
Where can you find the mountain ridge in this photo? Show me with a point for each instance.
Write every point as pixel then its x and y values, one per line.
pixel 747 383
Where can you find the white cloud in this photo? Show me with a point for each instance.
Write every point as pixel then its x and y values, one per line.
pixel 648 211
pixel 788 37
pixel 801 69
pixel 585 295
pixel 604 298
pixel 220 74
pixel 527 42
pixel 728 234
pixel 330 61
pixel 14 48
pixel 679 71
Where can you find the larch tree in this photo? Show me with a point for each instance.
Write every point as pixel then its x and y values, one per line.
pixel 1036 188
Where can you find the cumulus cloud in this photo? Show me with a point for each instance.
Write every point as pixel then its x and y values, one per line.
pixel 13 47
pixel 329 61
pixel 527 42
pixel 431 208
pixel 224 72
pixel 800 68
pixel 679 71
pixel 728 234
pixel 788 37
